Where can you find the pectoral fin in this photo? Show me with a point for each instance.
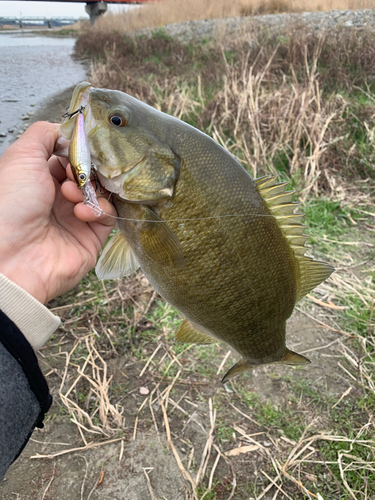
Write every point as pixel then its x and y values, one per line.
pixel 187 333
pixel 117 259
pixel 159 241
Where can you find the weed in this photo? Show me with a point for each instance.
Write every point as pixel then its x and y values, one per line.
pixel 160 34
pixel 328 217
pixel 224 432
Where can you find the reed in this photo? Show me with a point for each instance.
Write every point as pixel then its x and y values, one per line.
pixel 281 104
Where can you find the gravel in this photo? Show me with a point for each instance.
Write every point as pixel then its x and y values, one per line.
pixel 236 26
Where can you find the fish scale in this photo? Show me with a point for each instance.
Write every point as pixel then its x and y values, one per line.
pixel 226 250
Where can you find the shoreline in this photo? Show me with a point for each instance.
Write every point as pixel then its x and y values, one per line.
pixel 65 32
pixel 37 100
pixel 53 107
pixel 50 110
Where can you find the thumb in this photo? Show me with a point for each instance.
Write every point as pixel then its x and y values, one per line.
pixel 37 142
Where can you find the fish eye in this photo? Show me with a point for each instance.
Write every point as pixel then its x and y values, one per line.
pixel 82 177
pixel 118 120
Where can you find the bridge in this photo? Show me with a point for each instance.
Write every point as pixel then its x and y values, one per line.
pixel 93 8
pixel 35 21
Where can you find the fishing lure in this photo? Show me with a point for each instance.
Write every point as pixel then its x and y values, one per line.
pixel 80 161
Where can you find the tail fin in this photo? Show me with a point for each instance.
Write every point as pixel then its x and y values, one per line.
pixel 290 358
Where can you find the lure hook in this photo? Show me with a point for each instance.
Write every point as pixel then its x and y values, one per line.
pixel 69 115
pixel 98 185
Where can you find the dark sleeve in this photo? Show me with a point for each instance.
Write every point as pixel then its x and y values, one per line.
pixel 24 394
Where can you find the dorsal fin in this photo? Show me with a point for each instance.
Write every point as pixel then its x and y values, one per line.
pixel 279 201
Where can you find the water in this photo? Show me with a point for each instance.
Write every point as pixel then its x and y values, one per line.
pixel 32 68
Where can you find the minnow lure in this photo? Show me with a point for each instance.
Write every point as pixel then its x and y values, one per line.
pixel 80 161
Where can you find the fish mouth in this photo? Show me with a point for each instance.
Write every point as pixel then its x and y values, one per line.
pixel 80 97
pixel 111 176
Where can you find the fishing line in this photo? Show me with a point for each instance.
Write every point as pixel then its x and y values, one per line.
pixel 91 205
pixel 182 221
pixel 69 115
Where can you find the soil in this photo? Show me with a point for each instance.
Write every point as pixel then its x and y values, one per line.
pixel 100 473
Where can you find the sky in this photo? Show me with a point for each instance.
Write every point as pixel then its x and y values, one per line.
pixel 46 9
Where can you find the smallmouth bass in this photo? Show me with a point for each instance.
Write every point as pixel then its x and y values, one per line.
pixel 225 250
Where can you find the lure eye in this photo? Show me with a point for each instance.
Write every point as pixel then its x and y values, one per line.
pixel 82 177
pixel 118 120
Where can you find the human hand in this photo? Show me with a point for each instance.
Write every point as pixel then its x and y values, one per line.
pixel 48 238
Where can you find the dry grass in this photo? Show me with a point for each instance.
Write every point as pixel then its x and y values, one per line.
pixel 280 105
pixel 213 468
pixel 174 403
pixel 164 12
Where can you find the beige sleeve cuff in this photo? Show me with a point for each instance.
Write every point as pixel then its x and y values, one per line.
pixel 34 320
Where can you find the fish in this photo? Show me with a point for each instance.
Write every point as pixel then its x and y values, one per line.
pixel 227 251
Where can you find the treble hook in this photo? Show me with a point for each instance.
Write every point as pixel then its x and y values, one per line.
pixel 69 115
pixel 97 182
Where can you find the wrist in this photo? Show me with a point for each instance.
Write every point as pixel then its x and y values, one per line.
pixel 22 274
pixel 32 318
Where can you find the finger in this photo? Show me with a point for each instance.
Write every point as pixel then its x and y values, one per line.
pixel 57 168
pixel 37 142
pixel 107 218
pixel 104 224
pixel 71 192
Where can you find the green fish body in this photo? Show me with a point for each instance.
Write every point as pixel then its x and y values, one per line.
pixel 225 250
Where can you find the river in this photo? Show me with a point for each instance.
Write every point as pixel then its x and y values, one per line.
pixel 32 69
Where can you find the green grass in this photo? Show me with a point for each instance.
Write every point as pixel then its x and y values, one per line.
pixel 164 314
pixel 160 34
pixel 326 217
pixel 272 417
pixel 224 432
pixel 211 495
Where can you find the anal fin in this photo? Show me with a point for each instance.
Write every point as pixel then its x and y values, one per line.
pixel 117 259
pixel 237 369
pixel 189 334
